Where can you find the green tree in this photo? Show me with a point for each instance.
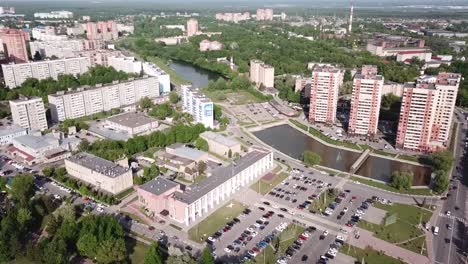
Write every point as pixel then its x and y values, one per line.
pixel 23 217
pixel 111 251
pixel 401 180
pixel 173 97
pixel 87 245
pixel 55 252
pixel 153 255
pixel 311 158
pixel 201 144
pixel 22 188
pixel 48 171
pixel 145 103
pixel 206 256
pixel 390 101
pixel 201 167
pixel 441 181
pixel 441 160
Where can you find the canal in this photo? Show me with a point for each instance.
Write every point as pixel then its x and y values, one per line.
pixel 293 143
pixel 197 76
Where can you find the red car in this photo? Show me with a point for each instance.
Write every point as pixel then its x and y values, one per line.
pixel 249 238
pixel 255 249
pixel 241 238
pixel 301 237
pixel 225 229
pixel 354 197
pixel 151 228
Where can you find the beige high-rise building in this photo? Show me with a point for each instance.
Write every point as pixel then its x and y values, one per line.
pixel 262 74
pixel 29 113
pixel 326 81
pixel 192 27
pixel 365 102
pixel 264 14
pixel 426 112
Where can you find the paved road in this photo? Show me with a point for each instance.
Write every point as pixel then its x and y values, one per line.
pixel 453 252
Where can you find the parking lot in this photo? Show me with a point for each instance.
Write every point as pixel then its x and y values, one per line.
pixel 258 112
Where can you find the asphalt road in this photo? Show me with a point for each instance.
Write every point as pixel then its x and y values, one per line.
pixel 451 244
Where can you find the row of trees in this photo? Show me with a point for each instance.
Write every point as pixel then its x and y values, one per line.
pixel 114 149
pixel 42 88
pixel 442 163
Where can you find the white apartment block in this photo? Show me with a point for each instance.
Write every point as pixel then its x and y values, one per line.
pixel 262 74
pixel 125 64
pixel 16 74
pixel 326 81
pixel 164 79
pixel 47 34
pixel 86 101
pixel 102 174
pixel 63 48
pixel 365 102
pixel 7 134
pixel 29 113
pixel 54 15
pixel 198 105
pixel 426 113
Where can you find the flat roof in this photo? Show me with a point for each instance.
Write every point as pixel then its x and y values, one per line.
pixel 36 142
pixel 158 185
pixel 105 167
pixel 186 152
pixel 218 138
pixel 11 130
pixel 218 177
pixel 131 119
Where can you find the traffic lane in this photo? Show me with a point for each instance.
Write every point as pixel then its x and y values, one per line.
pixel 229 237
pixel 441 246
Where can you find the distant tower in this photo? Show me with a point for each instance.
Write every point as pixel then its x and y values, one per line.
pixel 351 11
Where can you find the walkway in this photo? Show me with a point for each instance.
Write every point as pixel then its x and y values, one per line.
pixel 367 239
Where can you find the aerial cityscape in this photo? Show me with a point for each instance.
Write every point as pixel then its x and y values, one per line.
pixel 220 131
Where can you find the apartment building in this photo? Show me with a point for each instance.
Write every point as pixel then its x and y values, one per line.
pixel 426 112
pixel 86 101
pixel 262 74
pixel 125 64
pixel 16 74
pixel 192 27
pixel 264 14
pixel 233 17
pixel 199 200
pixel 104 30
pixel 324 89
pixel 98 56
pixel 164 79
pixel 54 15
pixel 385 45
pixel 29 113
pixel 198 105
pixel 365 102
pixel 14 42
pixel 64 48
pixel 206 45
pixel 104 175
pixel 46 33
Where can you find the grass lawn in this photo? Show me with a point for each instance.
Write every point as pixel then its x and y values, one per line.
pixel 235 97
pixel 409 158
pixel 124 194
pixel 369 255
pixel 405 227
pixel 286 239
pixel 136 250
pixel 417 245
pixel 418 191
pixel 324 200
pixel 215 221
pixel 133 217
pixel 263 187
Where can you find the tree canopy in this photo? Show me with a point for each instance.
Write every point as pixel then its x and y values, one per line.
pixel 311 158
pixel 401 180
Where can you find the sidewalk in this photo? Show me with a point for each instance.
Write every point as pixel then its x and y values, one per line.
pixel 368 240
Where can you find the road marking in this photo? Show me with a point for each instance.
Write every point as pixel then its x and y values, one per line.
pixel 464 221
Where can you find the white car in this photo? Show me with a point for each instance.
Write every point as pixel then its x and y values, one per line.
pixel 212 239
pixel 345 209
pixel 448 213
pixel 257 225
pixel 325 233
pixel 227 250
pixel 344 231
pixel 254 234
pixel 99 209
pixel 292 212
pixel 282 261
pixel 340 238
pixel 262 219
pixel 251 230
pixel 56 196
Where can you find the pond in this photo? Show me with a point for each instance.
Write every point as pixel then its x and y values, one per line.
pixel 197 76
pixel 374 167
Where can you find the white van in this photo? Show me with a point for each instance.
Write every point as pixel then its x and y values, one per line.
pixel 436 230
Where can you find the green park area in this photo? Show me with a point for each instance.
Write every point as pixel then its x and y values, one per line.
pixel 401 226
pixel 239 97
pixel 264 186
pixel 215 221
pixel 136 250
pixel 387 187
pixel 279 245
pixel 368 255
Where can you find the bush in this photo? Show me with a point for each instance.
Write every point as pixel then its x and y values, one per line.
pixel 311 158
pixel 401 180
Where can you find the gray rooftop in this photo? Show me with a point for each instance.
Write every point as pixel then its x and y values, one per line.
pixel 11 130
pixel 159 185
pixel 37 142
pixel 218 177
pixel 220 139
pixel 186 152
pixel 105 167
pixel 131 119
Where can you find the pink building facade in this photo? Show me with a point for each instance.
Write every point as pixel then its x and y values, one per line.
pixel 365 102
pixel 192 27
pixel 162 196
pixel 14 41
pixel 264 14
